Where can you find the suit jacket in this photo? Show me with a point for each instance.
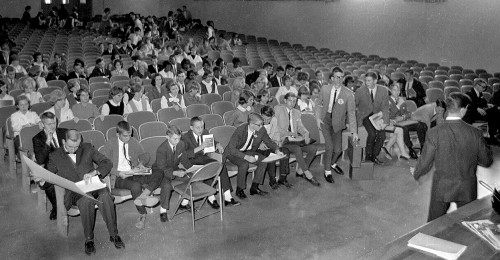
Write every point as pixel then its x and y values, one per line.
pixel 131 71
pixel 343 111
pixel 281 114
pixel 274 81
pixel 73 75
pixel 152 70
pixel 40 147
pixel 455 148
pixel 419 89
pixel 476 101
pixel 191 143
pixel 239 138
pixel 96 72
pixel 168 162
pixel 15 84
pixel 62 76
pixel 364 104
pixel 154 94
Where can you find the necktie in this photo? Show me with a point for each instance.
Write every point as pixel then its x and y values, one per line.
pixel 125 154
pixel 371 95
pixel 249 145
pixel 199 140
pixel 290 121
pixel 54 143
pixel 173 149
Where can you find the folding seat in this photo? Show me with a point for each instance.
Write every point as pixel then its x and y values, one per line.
pixel 108 122
pixel 151 144
pixel 466 88
pixel 441 72
pixel 99 85
pixel 182 123
pixel 436 84
pixel 39 108
pixel 212 120
pixel 138 118
pixel 197 110
pixel 464 82
pixel 81 125
pixel 168 114
pixel 451 83
pixel 95 137
pixel 449 90
pixel 456 77
pixel 434 94
pixel 221 107
pixel 150 129
pixel 425 79
pixel 441 78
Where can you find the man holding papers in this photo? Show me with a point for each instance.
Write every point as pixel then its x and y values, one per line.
pixel 197 142
pixel 75 161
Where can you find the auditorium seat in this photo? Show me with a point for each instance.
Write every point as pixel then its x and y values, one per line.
pixel 449 90
pixel 81 125
pixel 210 98
pixel 183 123
pixel 166 115
pixel 136 119
pixel 434 94
pixel 197 110
pixel 150 129
pixel 212 120
pixel 100 100
pixel 108 122
pixel 95 137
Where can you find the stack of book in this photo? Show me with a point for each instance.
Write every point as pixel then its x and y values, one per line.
pixel 436 246
pixel 486 230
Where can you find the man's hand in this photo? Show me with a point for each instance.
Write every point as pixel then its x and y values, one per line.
pixel 220 148
pixel 307 139
pixel 179 173
pixel 481 111
pixel 355 137
pixel 250 159
pixel 279 153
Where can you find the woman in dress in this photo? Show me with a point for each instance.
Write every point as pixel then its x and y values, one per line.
pixel 84 109
pixel 59 108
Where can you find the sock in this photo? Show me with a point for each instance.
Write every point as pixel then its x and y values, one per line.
pixel 328 173
pixel 227 195
pixel 184 202
pixel 308 174
pixel 299 171
pixel 162 210
pixel 334 165
pixel 211 198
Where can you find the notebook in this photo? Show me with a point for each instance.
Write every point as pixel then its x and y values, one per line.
pixel 436 246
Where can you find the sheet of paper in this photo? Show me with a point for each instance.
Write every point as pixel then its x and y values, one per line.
pixel 209 139
pixel 194 168
pixel 273 157
pixel 94 184
pixel 295 139
pixel 437 246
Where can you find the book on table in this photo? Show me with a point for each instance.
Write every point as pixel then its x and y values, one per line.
pixel 436 246
pixel 486 230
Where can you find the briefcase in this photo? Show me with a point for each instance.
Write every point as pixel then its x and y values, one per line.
pixel 364 172
pixel 354 152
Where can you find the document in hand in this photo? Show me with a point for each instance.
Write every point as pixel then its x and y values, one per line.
pixel 209 139
pixel 94 184
pixel 377 121
pixel 436 246
pixel 40 172
pixel 272 157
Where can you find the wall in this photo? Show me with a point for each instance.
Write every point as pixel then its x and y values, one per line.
pixel 15 8
pixel 144 7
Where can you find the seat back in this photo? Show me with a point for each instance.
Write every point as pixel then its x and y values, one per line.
pixel 210 98
pixel 182 123
pixel 407 107
pixel 222 134
pixel 100 100
pixel 311 124
pixel 16 92
pixel 156 105
pixel 212 121
pixel 26 136
pixel 449 90
pixel 150 146
pixel 434 94
pixel 221 107
pixel 138 118
pixel 57 83
pixel 96 138
pixel 223 89
pixel 150 129
pixel 121 83
pixel 436 84
pixel 228 117
pixel 6 103
pixel 206 172
pixel 227 96
pixel 98 80
pixel 6 112
pixel 166 115
pixel 82 125
pixel 197 110
pixel 119 78
pixel 466 89
pixel 99 85
pixel 46 91
pixel 39 108
pixel 108 122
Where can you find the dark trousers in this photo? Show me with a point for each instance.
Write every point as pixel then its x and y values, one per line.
pixel 439 208
pixel 299 151
pixel 374 141
pixel 87 211
pixel 50 192
pixel 271 167
pixel 492 115
pixel 333 143
pixel 421 129
pixel 224 177
pixel 243 166
pixel 136 183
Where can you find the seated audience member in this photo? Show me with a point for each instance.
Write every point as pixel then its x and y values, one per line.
pixel 350 83
pixel 412 89
pixel 427 116
pixel 78 71
pixel 286 88
pixel 271 126
pixel 100 70
pixel 238 87
pixel 302 80
pixel 195 146
pixel 23 117
pixel 218 77
pixel 59 107
pixel 180 80
pixel 259 84
pixel 208 85
pixel 290 71
pixel 84 109
pixel 396 137
pixel 45 142
pixel 372 99
pixel 154 68
pixel 73 87
pixel 35 73
pixel 62 161
pixel 167 71
pixel 242 150
pixel 320 78
pixel 192 95
pixel 4 92
pixel 110 50
pixel 304 103
pixel 244 108
pixel 277 80
pixel 174 98
pixel 224 43
pixel 193 57
pixel 119 70
pixel 478 109
pixel 14 62
pixel 38 61
pixel 169 155
pixel 213 43
pixel 142 72
pixel 136 60
pixel 129 170
pixel 236 70
pixel 262 99
pixel 115 104
pixel 10 79
pixel 158 89
pixel 295 137
pixel 58 62
pixel 138 102
pixel 222 65
pixel 57 74
pixel 29 86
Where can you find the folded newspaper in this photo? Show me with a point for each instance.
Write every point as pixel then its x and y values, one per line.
pixel 377 121
pixel 486 230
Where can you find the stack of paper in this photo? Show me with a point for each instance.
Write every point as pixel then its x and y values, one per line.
pixel 436 246
pixel 486 230
pixel 94 184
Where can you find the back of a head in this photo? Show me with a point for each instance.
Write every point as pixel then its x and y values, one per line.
pixel 72 135
pixel 255 118
pixel 456 101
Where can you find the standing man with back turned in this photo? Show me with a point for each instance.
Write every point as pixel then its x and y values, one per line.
pixel 455 148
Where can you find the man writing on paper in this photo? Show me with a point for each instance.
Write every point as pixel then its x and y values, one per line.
pixel 455 148
pixel 195 151
pixel 128 157
pixel 75 161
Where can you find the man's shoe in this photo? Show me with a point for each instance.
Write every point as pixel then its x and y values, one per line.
pixel 232 202
pixel 338 170
pixel 148 201
pixel 285 183
pixel 214 204
pixel 274 185
pixel 313 181
pixel 329 178
pixel 241 194
pixel 89 247
pixel 164 217
pixel 377 161
pixel 140 221
pixel 53 214
pixel 413 154
pixel 117 241
pixel 258 191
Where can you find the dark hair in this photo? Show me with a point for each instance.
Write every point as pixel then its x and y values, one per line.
pixel 456 101
pixel 118 61
pixel 106 10
pixel 195 119
pixel 123 126
pixel 280 68
pixel 371 74
pixel 348 79
pixel 172 129
pixel 337 69
pixel 47 115
pixel 302 76
pixel 236 60
pixel 79 93
pixel 245 95
pixel 267 64
pixel 137 88
pixel 115 91
pixel 267 111
pixel 153 77
pixel 136 58
pixel 260 94
pixel 313 87
pixel 289 95
pixel 289 66
pixel 303 91
pixel 254 117
pixel 35 55
pixel 22 97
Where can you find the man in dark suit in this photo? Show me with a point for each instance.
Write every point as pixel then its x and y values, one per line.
pixel 45 142
pixel 78 71
pixel 169 155
pixel 412 89
pixel 99 69
pixel 372 99
pixel 478 110
pixel 455 148
pixel 277 80
pixel 110 51
pixel 154 68
pixel 75 161
pixel 338 107
pixel 195 146
pixel 57 74
pixel 135 66
pixel 242 150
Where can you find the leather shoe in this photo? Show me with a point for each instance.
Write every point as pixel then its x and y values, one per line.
pixel 164 217
pixel 232 202
pixel 89 247
pixel 53 214
pixel 117 241
pixel 313 181
pixel 338 170
pixel 214 204
pixel 329 178
pixel 274 185
pixel 285 183
pixel 413 154
pixel 241 194
pixel 258 191
pixel 377 161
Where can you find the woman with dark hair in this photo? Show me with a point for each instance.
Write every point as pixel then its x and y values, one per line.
pixel 158 90
pixel 208 85
pixel 84 109
pixel 192 95
pixel 222 65
pixel 244 108
pixel 115 105
pixel 38 61
pixel 262 99
pixel 236 70
pixel 4 92
pixel 119 71
pixel 349 83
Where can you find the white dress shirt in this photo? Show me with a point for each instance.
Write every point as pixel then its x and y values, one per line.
pixel 123 163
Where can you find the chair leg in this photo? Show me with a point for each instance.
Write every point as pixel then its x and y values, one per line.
pixel 25 175
pixel 2 146
pixel 177 207
pixel 12 158
pixel 192 204
pixel 220 198
pixel 62 215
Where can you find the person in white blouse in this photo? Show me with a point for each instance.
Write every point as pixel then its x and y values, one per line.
pixel 304 103
pixel 139 102
pixel 288 87
pixel 29 86
pixel 174 99
pixel 14 62
pixel 23 117
pixel 59 108
pixel 193 57
pixel 168 70
pixel 4 92
pixel 38 61
pixel 119 71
